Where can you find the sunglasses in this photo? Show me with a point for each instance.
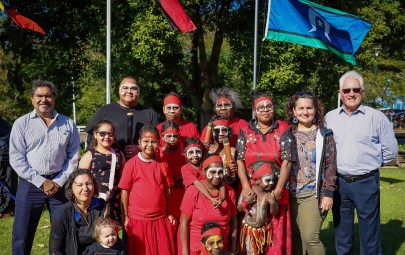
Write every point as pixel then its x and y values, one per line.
pixel 304 93
pixel 355 90
pixel 104 133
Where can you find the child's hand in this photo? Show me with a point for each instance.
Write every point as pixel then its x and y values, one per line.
pixel 216 202
pixel 125 222
pixel 233 167
pixel 206 145
pixel 250 198
pixel 172 220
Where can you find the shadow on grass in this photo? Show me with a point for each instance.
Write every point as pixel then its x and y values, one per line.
pixel 392 237
pixel 390 180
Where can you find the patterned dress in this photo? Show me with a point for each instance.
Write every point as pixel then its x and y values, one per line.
pixel 253 146
pixel 101 168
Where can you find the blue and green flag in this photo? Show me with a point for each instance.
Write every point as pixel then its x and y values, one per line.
pixel 310 24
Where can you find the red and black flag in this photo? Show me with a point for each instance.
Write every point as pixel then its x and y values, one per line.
pixel 176 16
pixel 20 20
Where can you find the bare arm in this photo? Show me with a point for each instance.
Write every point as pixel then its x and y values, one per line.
pixel 201 188
pixel 284 173
pixel 234 234
pixel 247 189
pixel 124 203
pixel 85 161
pixel 185 220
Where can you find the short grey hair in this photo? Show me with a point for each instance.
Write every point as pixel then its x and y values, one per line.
pixel 42 83
pixel 351 74
pixel 228 93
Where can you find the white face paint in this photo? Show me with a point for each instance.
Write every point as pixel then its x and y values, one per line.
pixel 148 141
pixel 214 172
pixel 220 130
pixel 193 152
pixel 223 105
pixel 263 106
pixel 170 137
pixel 269 179
pixel 129 87
pixel 171 108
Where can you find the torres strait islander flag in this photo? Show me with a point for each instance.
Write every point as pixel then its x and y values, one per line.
pixel 310 24
pixel 176 16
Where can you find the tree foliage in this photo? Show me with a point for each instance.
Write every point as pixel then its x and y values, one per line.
pixel 219 53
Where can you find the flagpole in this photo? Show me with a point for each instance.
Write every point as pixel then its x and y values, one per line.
pixel 255 45
pixel 108 54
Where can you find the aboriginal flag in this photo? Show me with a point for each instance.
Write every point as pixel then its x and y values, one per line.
pixel 20 20
pixel 176 16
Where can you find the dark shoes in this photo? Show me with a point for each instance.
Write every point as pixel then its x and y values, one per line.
pixel 6 215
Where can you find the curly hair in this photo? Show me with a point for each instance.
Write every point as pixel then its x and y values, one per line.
pixel 228 93
pixel 290 105
pixel 68 186
pixel 43 83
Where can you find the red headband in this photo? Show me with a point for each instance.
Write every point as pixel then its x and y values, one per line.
pixel 149 136
pixel 170 131
pixel 193 145
pixel 172 99
pixel 212 159
pixel 212 232
pixel 261 99
pixel 219 100
pixel 221 123
pixel 261 171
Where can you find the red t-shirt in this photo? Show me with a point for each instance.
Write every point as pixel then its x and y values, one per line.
pixel 200 210
pixel 187 130
pixel 145 182
pixel 190 174
pixel 175 161
pixel 236 124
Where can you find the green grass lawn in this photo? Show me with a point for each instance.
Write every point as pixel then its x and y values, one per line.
pixel 392 221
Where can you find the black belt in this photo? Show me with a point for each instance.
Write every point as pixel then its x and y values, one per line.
pixel 354 178
pixel 50 176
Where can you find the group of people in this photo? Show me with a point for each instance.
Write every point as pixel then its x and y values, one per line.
pixel 257 187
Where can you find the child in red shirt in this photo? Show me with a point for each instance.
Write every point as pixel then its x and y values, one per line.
pixel 192 173
pixel 145 193
pixel 172 154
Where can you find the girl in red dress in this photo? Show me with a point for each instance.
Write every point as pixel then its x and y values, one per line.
pixel 145 195
pixel 172 154
pixel 196 209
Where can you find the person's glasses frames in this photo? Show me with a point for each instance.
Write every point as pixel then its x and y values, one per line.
pixel 355 90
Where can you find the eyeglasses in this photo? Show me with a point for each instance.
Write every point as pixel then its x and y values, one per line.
pixel 262 108
pixel 303 93
pixel 104 133
pixel 355 90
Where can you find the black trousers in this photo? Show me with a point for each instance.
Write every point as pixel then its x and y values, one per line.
pixel 9 178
